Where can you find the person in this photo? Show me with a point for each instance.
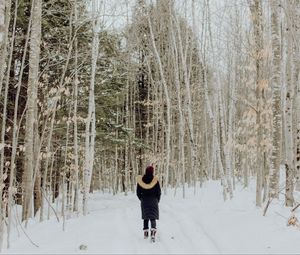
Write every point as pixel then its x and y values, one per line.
pixel 148 191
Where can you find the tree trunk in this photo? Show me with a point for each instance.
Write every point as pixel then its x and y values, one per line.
pixel 188 102
pixel 76 82
pixel 2 23
pixel 34 56
pixel 90 122
pixel 276 101
pixel 256 13
pixel 16 129
pixel 180 112
pixel 168 106
pixel 5 8
pixel 3 129
pixel 295 19
pixel 289 154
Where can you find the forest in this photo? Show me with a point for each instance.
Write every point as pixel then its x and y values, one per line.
pixel 200 89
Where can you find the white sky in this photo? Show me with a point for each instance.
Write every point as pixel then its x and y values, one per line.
pixel 118 13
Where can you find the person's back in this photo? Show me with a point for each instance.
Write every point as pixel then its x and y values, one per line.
pixel 149 192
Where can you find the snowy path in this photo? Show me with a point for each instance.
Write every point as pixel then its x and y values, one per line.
pixel 198 224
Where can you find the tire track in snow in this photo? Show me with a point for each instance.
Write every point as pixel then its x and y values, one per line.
pixel 176 228
pixel 114 226
pixel 210 244
pixel 177 219
pixel 125 224
pixel 196 219
pixel 181 235
pixel 170 232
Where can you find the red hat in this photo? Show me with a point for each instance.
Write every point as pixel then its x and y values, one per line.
pixel 149 170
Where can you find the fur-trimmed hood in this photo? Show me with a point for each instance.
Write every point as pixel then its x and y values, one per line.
pixel 146 185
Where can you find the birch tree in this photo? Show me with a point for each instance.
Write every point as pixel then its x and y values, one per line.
pixel 181 117
pixel 168 103
pixel 188 101
pixel 276 104
pixel 289 146
pixel 3 206
pixel 256 14
pixel 2 22
pixel 76 82
pixel 32 91
pixel 296 62
pixel 5 16
pixel 16 129
pixel 90 130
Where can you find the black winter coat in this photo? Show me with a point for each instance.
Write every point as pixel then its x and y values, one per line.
pixel 148 191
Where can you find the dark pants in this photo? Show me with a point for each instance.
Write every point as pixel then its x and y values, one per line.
pixel 153 224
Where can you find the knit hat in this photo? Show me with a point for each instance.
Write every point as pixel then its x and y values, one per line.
pixel 149 170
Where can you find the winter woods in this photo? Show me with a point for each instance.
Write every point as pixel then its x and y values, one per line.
pixel 87 104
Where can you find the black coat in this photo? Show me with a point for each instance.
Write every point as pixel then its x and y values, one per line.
pixel 148 191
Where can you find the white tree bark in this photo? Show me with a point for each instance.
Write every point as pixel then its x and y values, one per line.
pixel 76 83
pixel 226 144
pixel 2 22
pixel 216 163
pixel 289 115
pixel 181 118
pixel 216 142
pixel 34 56
pixel 289 154
pixel 295 20
pixel 225 175
pixel 256 14
pixel 276 101
pixel 2 141
pixel 64 170
pixel 5 8
pixel 90 130
pixel 188 101
pixel 230 145
pixel 168 104
pixel 15 133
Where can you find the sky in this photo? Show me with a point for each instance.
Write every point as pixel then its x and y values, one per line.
pixel 115 14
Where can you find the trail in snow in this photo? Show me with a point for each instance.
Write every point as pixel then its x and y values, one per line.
pixel 199 224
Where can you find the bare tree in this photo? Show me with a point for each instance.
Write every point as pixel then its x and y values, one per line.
pixel 5 16
pixel 32 91
pixel 76 83
pixel 256 13
pixel 90 131
pixel 289 127
pixel 276 102
pixel 168 103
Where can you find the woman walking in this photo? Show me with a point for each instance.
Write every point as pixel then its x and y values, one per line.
pixel 149 192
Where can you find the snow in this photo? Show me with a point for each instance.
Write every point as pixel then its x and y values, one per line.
pixel 200 223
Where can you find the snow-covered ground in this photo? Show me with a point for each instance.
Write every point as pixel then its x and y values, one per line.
pixel 200 223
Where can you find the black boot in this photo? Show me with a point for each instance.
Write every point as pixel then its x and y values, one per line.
pixel 146 233
pixel 153 233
